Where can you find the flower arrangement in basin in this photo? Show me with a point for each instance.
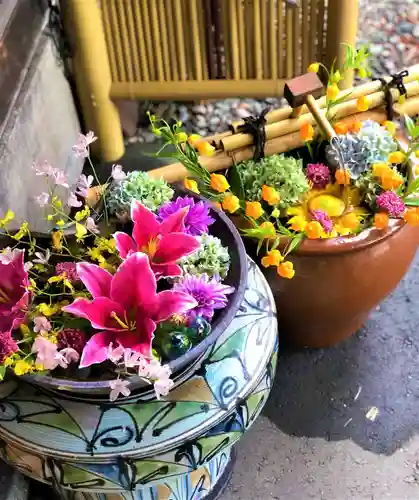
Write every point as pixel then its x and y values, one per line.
pixel 89 308
pixel 334 224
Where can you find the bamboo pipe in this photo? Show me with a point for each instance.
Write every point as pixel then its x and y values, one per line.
pixel 365 89
pixel 222 160
pixel 284 127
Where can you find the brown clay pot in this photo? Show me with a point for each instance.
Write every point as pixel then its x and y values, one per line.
pixel 339 281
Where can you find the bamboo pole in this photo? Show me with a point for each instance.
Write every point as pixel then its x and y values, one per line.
pixel 287 126
pixel 110 46
pixel 93 77
pixel 148 39
pixel 145 75
pixel 227 44
pixel 154 17
pixel 264 37
pixel 364 89
pixel 204 35
pixel 127 51
pixel 307 29
pixel 250 39
pixel 272 41
pixel 320 31
pixel 257 40
pixel 242 39
pixel 196 40
pixel 170 21
pixel 164 41
pixel 289 42
pixel 297 40
pixel 116 40
pixel 281 32
pixel 234 40
pixel 314 35
pixel 222 160
pixel 180 39
pixel 133 45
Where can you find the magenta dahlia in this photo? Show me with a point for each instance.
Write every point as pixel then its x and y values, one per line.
pixel 8 346
pixel 73 338
pixel 196 220
pixel 390 202
pixel 324 219
pixel 318 174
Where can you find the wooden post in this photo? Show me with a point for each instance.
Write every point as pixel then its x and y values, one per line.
pixel 342 27
pixel 93 77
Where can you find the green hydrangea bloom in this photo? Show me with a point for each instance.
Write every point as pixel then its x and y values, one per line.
pixel 152 193
pixel 283 173
pixel 211 258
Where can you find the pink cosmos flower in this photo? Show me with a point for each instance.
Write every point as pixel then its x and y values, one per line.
pixel 81 148
pixel 42 199
pixel 41 324
pixel 164 242
pixel 44 169
pixel 60 178
pixel 83 185
pixel 117 173
pixel 73 201
pixel 14 293
pixel 125 307
pixel 49 357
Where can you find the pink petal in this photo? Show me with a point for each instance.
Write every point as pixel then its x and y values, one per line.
pixel 134 284
pixel 144 335
pixel 174 223
pixel 125 244
pixel 174 246
pixel 98 312
pixel 96 280
pixel 166 270
pixel 146 225
pixel 170 302
pixel 96 349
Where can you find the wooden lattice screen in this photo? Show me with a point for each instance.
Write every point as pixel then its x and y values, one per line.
pixel 192 49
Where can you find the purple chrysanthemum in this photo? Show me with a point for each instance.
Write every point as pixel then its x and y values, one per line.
pixel 197 219
pixel 324 219
pixel 8 346
pixel 318 174
pixel 73 338
pixel 70 270
pixel 210 294
pixel 391 203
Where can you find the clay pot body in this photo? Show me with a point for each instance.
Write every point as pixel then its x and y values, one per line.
pixel 339 281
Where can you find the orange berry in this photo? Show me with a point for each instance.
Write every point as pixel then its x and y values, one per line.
pixel 253 209
pixel 350 221
pixel 332 91
pixel 355 127
pixel 231 203
pixel 194 139
pixel 217 204
pixel 362 103
pixel 396 157
pixel 307 132
pixel 205 149
pixel 270 195
pixel 340 128
pixel 314 230
pixel 380 170
pixel 268 230
pixel 272 258
pixel 219 183
pixel 286 270
pixel 412 217
pixel 191 185
pixel 381 220
pixel 342 176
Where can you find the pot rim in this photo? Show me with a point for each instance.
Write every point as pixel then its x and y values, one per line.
pixel 345 244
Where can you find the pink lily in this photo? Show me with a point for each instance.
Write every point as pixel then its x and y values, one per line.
pixel 164 242
pixel 125 306
pixel 14 293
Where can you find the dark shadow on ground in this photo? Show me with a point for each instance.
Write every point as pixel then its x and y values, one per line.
pixel 315 391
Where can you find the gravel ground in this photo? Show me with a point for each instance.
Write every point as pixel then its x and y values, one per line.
pixel 390 27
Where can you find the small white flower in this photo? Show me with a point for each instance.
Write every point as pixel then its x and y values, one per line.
pixel 45 169
pixel 91 225
pixel 132 358
pixel 42 258
pixel 42 199
pixel 60 178
pixel 42 325
pixel 27 266
pixel 8 255
pixel 80 149
pixel 83 185
pixel 117 173
pixel 118 387
pixel 162 387
pixel 115 355
pixel 70 355
pixel 73 201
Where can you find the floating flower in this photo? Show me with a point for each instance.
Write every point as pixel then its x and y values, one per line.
pixel 340 128
pixel 342 176
pixel 72 338
pixel 125 307
pixel 286 270
pixel 117 173
pixel 253 209
pixel 204 148
pixel 83 184
pixel 118 387
pixel 73 201
pixel 314 230
pixel 41 325
pixel 209 294
pixel 396 157
pixel 42 199
pixel 163 242
pixel 318 174
pixel 332 91
pixel 381 220
pixel 272 258
pixel 391 203
pixel 69 269
pixel 22 367
pixel 313 68
pixel 192 185
pixel 362 103
pixel 270 195
pixel 81 148
pixel 298 223
pixel 14 294
pixel 412 216
pixel 231 203
pixel 306 132
pixel 324 219
pixel 196 220
pixel 219 183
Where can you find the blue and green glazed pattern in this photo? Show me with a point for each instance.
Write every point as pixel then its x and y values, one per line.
pixel 175 448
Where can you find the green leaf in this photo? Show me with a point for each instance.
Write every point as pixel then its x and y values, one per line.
pixel 236 182
pixel 415 132
pixel 413 187
pixel 294 243
pixel 2 372
pixel 412 202
pixel 410 124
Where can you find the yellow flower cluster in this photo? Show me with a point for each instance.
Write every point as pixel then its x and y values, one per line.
pixel 389 178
